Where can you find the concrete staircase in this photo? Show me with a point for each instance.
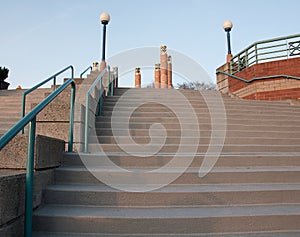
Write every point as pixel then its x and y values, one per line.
pixel 11 105
pixel 253 189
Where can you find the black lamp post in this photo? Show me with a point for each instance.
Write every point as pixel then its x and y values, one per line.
pixel 227 26
pixel 104 18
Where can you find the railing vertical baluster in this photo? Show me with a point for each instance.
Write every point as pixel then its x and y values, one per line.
pixel 54 83
pixel 112 84
pixel 23 108
pixel 29 178
pixel 87 124
pixel 71 124
pixel 256 56
pixel 100 100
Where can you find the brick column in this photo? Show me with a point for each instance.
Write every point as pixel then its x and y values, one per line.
pixel 170 83
pixel 163 67
pixel 157 76
pixel 137 77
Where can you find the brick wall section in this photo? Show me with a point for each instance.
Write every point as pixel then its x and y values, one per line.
pixel 222 80
pixel 269 89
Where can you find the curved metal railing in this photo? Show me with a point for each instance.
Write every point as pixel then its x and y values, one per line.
pixel 112 82
pixel 30 119
pixel 266 50
pixel 258 78
pixel 89 68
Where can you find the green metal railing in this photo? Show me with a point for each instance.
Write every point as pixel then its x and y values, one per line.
pixel 89 68
pixel 266 50
pixel 258 78
pixel 30 119
pixel 112 78
pixel 42 83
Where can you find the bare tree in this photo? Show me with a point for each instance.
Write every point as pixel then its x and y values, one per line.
pixel 196 85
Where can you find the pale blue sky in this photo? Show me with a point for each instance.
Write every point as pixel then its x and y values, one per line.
pixel 40 37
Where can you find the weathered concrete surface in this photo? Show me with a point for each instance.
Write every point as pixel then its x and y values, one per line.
pixel 13 155
pixel 48 152
pixel 12 198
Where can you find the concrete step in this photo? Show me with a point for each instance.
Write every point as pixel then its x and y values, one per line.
pixel 285 116
pixel 224 160
pixel 236 175
pixel 196 102
pixel 203 133
pixel 175 195
pixel 108 104
pixel 159 220
pixel 202 126
pixel 240 234
pixel 190 140
pixel 187 148
pixel 231 120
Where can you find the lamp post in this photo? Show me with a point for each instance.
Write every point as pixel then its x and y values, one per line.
pixel 104 19
pixel 227 26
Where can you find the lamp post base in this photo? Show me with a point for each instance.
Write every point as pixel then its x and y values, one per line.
pixel 102 65
pixel 228 58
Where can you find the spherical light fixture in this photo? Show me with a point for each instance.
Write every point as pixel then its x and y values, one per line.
pixel 104 18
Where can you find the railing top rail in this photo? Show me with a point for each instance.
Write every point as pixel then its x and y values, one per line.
pixel 266 41
pixel 10 134
pixel 81 74
pixel 50 78
pixel 258 78
pixel 97 80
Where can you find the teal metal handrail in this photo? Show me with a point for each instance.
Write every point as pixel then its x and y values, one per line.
pixel 258 78
pixel 266 50
pixel 30 119
pixel 42 83
pixel 111 80
pixel 89 68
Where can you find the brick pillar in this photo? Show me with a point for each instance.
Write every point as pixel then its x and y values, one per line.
pixel 163 67
pixel 137 77
pixel 170 83
pixel 157 76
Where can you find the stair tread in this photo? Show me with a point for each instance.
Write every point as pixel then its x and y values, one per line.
pixel 257 234
pixel 188 170
pixel 182 188
pixel 166 212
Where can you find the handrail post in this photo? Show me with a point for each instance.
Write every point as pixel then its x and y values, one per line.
pixel 100 100
pixel 72 71
pixel 29 178
pixel 54 83
pixel 108 77
pixel 256 56
pixel 87 124
pixel 71 124
pixel 23 108
pixel 112 84
pixel 90 67
pixel 117 77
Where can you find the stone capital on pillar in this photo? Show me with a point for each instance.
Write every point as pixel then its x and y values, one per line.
pixel 228 58
pixel 102 65
pixel 95 66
